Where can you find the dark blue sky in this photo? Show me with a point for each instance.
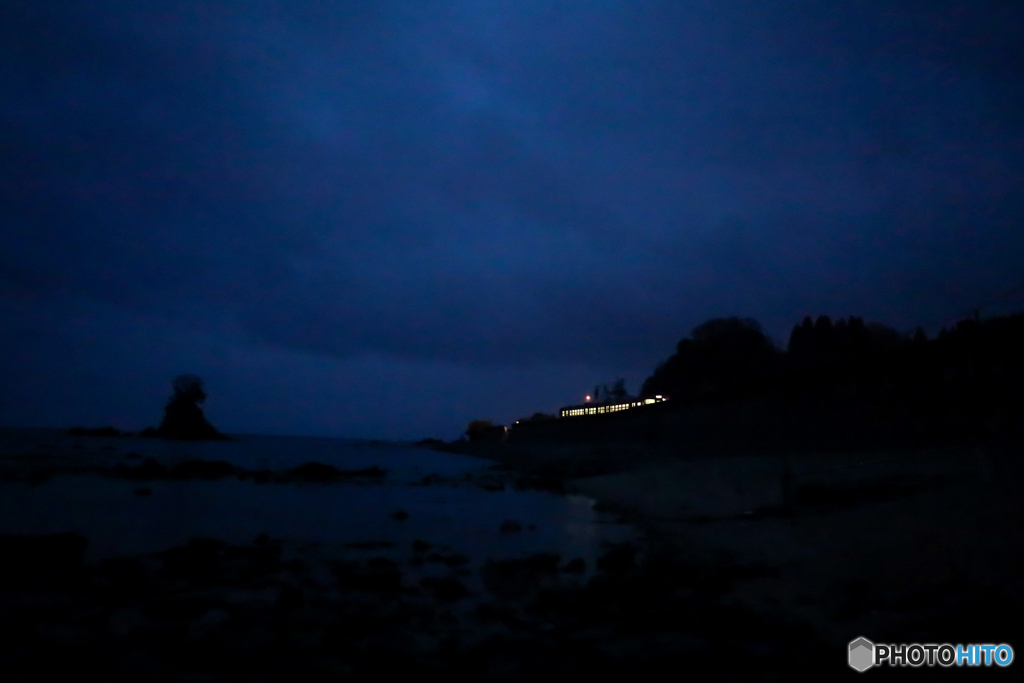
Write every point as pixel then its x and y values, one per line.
pixel 384 219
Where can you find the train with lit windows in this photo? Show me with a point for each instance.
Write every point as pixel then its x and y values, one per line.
pixel 613 406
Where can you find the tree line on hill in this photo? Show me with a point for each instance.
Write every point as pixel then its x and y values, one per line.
pixel 974 370
pixel 843 384
pixel 730 357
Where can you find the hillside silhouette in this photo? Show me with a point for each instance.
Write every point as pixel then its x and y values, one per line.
pixel 722 354
pixel 980 360
pixel 847 384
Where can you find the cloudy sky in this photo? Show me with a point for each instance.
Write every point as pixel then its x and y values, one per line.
pixel 384 219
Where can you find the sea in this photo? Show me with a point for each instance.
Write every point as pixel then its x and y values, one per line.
pixel 455 516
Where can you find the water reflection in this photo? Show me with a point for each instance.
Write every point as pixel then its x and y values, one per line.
pixel 461 518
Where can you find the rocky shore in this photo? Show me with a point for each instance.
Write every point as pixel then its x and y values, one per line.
pixel 269 612
pixel 757 568
pixel 897 546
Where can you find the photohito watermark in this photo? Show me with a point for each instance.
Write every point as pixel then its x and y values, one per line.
pixel 863 654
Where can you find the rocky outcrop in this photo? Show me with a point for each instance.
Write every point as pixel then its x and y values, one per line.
pixel 183 418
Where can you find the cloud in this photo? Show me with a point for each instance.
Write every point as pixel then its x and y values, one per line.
pixel 76 362
pixel 508 183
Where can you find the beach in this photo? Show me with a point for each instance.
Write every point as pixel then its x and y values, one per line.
pixel 920 545
pixel 916 547
pixel 741 567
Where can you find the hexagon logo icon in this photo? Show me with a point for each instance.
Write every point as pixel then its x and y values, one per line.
pixel 862 654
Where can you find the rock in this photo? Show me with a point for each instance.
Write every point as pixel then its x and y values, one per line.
pixel 513 579
pixel 183 418
pixel 127 577
pixel 328 670
pixel 382 564
pixel 372 471
pixel 259 476
pixel 540 562
pixel 444 588
pixel 206 623
pixel 34 557
pixel 197 560
pixel 400 515
pixel 510 526
pixel 202 469
pixel 126 621
pixel 455 560
pixel 575 566
pixel 537 482
pixel 383 575
pixel 289 598
pixel 148 469
pixel 37 478
pixel 262 554
pixel 370 545
pixel 315 471
pixel 496 612
pixel 621 557
pixel 298 566
pixel 178 607
pixel 421 546
pixel 99 431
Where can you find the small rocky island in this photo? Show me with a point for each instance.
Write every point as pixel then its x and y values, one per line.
pixel 183 418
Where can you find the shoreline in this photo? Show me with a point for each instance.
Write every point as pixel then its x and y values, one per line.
pixel 883 544
pixel 747 560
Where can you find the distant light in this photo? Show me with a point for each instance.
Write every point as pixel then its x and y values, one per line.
pixel 658 396
pixel 588 398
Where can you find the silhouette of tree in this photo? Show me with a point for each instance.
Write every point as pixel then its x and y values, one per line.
pixel 602 394
pixel 822 342
pixel 618 392
pixel 484 430
pixel 478 428
pixel 866 383
pixel 722 353
pixel 802 337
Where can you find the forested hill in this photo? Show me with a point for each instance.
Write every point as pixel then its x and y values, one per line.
pixel 841 385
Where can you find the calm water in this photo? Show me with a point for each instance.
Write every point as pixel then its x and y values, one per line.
pixel 458 518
